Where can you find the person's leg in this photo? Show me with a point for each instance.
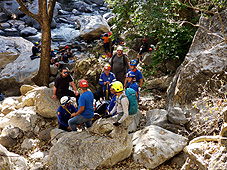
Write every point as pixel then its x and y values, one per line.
pixel 77 120
pixel 60 126
pixel 88 123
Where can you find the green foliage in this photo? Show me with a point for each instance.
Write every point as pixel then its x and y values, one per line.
pixel 155 18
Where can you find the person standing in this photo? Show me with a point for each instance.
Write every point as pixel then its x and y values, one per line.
pixel 64 113
pixel 119 64
pixel 86 110
pixel 61 85
pixel 106 43
pixel 143 49
pixel 138 74
pixel 121 106
pixel 130 76
pixel 105 80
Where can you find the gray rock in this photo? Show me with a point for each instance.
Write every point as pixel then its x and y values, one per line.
pixel 45 134
pixel 202 62
pixel 147 58
pixel 91 27
pixel 21 27
pixel 109 145
pixel 11 32
pixel 154 145
pixel 5 25
pixel 7 141
pixel 16 23
pixel 28 31
pixel 2 33
pixel 156 117
pixel 177 116
pixel 53 70
pixel 10 160
pixel 83 7
pixel 98 2
pixel 45 105
pixel 161 83
pixel 12 132
pixel 15 57
pixel 29 143
pixel 3 17
pixel 62 12
pixel 132 54
pixel 76 12
pixel 12 8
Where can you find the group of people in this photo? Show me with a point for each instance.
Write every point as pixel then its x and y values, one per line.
pixel 65 54
pixel 117 76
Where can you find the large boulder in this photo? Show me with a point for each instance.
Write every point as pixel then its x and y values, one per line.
pixel 89 70
pixel 206 58
pixel 91 27
pixel 154 145
pixel 10 160
pixel 11 8
pixel 15 59
pixel 103 146
pixel 161 83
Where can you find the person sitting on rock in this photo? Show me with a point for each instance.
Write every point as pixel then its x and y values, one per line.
pixel 64 113
pixel 86 110
pixel 52 56
pixel 121 106
pixel 138 74
pixel 130 76
pixel 105 79
pixel 61 85
pixel 112 102
pixel 36 51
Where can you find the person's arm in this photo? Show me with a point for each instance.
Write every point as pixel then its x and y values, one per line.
pixel 79 111
pixel 125 105
pixel 113 110
pixel 54 93
pixel 141 82
pixel 61 121
pixel 74 87
pixel 101 82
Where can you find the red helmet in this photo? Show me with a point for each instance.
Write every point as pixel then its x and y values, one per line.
pixel 66 47
pixel 83 83
pixel 107 67
pixel 144 40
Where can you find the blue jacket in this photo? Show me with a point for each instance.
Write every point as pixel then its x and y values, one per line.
pixel 112 104
pixel 104 78
pixel 134 86
pixel 138 75
pixel 64 116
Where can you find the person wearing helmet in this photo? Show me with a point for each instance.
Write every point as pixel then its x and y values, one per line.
pixel 121 106
pixel 137 72
pixel 119 64
pixel 61 85
pixel 64 113
pixel 105 79
pixel 143 48
pixel 36 51
pixel 86 110
pixel 130 76
pixel 106 42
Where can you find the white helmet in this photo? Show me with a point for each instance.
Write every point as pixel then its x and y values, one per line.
pixel 120 48
pixel 64 100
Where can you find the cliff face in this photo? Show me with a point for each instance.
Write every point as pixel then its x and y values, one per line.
pixel 206 58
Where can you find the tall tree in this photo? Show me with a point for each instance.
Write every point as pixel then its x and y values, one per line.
pixel 44 18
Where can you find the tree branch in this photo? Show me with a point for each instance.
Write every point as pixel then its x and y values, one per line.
pixel 209 32
pixel 26 11
pixel 51 5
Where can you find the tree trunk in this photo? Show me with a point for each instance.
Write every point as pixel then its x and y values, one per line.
pixel 42 78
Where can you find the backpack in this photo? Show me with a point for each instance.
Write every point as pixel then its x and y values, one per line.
pixel 133 103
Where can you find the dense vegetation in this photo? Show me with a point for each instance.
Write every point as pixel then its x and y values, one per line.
pixel 163 20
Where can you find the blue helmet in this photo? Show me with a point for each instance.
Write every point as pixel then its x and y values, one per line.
pixel 130 74
pixel 133 63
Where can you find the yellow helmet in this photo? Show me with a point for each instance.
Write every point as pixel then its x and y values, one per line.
pixel 117 86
